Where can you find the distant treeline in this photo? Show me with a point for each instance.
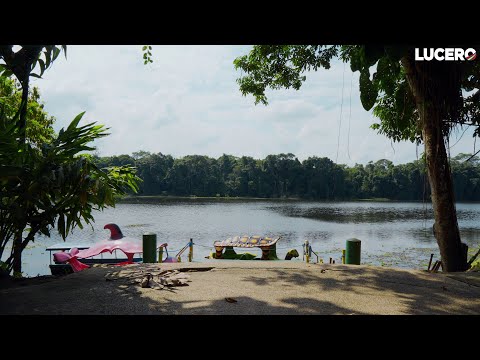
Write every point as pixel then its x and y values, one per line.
pixel 284 175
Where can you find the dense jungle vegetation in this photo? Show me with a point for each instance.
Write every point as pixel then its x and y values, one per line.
pixel 283 175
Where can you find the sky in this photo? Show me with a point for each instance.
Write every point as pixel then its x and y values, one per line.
pixel 188 102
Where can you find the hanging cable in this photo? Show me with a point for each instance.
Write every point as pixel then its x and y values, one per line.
pixel 461 136
pixel 341 111
pixel 349 117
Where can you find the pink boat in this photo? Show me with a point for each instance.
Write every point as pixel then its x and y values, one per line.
pixel 77 257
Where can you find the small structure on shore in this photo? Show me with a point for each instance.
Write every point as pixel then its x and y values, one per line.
pixel 267 244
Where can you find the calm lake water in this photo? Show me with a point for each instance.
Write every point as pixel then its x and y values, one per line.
pixel 396 234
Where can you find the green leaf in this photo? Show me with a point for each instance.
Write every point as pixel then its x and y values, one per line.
pixel 373 53
pixel 368 91
pixel 75 121
pixel 7 73
pixel 144 48
pixel 355 62
pixel 10 171
pixel 56 52
pixel 396 52
pixel 48 58
pixel 61 226
pixel 42 66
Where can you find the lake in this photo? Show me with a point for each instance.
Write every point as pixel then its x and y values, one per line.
pixel 397 234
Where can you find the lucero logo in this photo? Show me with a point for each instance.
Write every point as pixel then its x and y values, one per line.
pixel 445 54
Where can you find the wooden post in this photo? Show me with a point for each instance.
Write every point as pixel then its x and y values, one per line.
pixel 330 260
pixel 307 251
pixel 343 256
pixel 190 253
pixel 160 254
pixel 430 262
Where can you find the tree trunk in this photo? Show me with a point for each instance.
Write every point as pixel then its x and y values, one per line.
pixel 17 241
pixel 453 252
pixel 17 255
pixel 424 84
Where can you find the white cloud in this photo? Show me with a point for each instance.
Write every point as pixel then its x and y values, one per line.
pixel 187 102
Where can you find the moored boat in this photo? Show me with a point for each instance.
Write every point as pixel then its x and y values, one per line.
pixel 58 268
pixel 70 258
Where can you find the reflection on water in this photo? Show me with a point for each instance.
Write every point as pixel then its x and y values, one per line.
pixel 370 214
pixel 392 234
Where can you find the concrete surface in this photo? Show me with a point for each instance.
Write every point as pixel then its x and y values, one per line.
pixel 259 287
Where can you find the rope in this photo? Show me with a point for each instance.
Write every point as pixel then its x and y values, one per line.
pixel 182 250
pixel 208 247
pixel 173 250
pixel 293 246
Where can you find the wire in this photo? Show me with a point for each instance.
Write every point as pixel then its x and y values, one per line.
pixel 349 117
pixel 461 136
pixel 341 111
pixel 471 157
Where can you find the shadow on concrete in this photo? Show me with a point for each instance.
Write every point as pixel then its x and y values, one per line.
pixel 90 292
pixel 420 293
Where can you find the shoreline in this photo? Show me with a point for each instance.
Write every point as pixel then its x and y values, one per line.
pixel 165 198
pixel 257 288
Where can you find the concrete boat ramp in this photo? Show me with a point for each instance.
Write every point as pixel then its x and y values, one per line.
pixel 250 288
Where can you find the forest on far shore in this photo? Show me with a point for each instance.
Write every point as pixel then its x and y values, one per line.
pixel 284 176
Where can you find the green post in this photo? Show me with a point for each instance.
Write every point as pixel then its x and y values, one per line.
pixel 352 251
pixel 149 247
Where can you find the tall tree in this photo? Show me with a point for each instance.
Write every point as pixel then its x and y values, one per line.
pixel 415 100
pixel 22 63
pixel 39 129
